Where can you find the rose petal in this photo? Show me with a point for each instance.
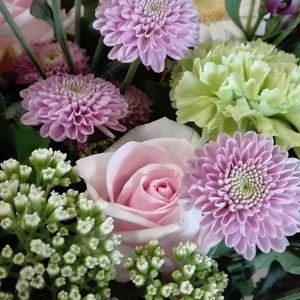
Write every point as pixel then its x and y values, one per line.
pixel 92 170
pixel 158 129
pixel 145 235
pixel 130 158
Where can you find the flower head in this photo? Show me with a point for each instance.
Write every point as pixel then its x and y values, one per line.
pixel 228 87
pixel 195 277
pixel 215 24
pixel 281 7
pixel 57 258
pixel 248 191
pixel 51 58
pixel 138 108
pixel 70 106
pixel 147 29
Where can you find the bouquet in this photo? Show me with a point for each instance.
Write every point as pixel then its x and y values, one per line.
pixel 150 149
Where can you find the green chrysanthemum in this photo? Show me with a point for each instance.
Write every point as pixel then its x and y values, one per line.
pixel 225 87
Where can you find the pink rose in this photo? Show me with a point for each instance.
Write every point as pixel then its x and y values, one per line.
pixel 34 30
pixel 139 182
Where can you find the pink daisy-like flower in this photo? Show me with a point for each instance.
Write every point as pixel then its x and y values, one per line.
pixel 138 108
pixel 52 61
pixel 248 192
pixel 148 29
pixel 70 106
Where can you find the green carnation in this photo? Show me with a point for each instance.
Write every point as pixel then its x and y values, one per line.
pixel 225 87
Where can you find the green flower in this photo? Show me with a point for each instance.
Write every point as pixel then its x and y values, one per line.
pixel 225 87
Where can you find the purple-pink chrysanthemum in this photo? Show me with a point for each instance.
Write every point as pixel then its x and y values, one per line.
pixel 51 59
pixel 138 108
pixel 248 192
pixel 148 29
pixel 70 106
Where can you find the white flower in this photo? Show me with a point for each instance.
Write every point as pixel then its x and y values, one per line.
pixel 186 288
pixel 107 226
pixel 85 226
pixel 215 24
pixel 5 209
pixel 31 220
pixel 27 273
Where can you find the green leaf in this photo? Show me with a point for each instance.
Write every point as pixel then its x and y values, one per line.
pixel 14 111
pixel 25 139
pixel 40 9
pixel 275 274
pixel 233 10
pixel 245 286
pixel 289 261
pixel 219 250
pixel 273 24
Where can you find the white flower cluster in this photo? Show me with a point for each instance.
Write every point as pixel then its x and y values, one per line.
pixel 65 247
pixel 197 277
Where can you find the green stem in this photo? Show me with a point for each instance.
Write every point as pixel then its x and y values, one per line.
pixel 250 16
pixel 77 6
pixel 23 43
pixel 60 33
pixel 285 33
pixel 261 14
pixel 129 76
pixel 97 54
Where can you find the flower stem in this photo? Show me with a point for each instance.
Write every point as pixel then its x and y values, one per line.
pixel 286 32
pixel 129 76
pixel 60 33
pixel 23 43
pixel 77 6
pixel 250 15
pixel 261 14
pixel 97 54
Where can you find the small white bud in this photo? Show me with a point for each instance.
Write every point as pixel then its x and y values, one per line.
pixel 7 252
pixel 186 288
pixel 31 220
pixel 107 226
pixel 27 273
pixel 19 259
pixel 6 223
pixel 86 225
pixel 62 168
pixel 5 209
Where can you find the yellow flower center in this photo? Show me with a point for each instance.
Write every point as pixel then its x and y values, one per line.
pixel 51 57
pixel 210 10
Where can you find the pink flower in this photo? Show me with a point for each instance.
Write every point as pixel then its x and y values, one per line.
pixel 52 61
pixel 282 7
pixel 248 192
pixel 138 107
pixel 34 30
pixel 71 106
pixel 139 183
pixel 147 29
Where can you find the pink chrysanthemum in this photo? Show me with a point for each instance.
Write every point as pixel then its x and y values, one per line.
pixel 70 106
pixel 138 108
pixel 248 191
pixel 51 59
pixel 148 29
